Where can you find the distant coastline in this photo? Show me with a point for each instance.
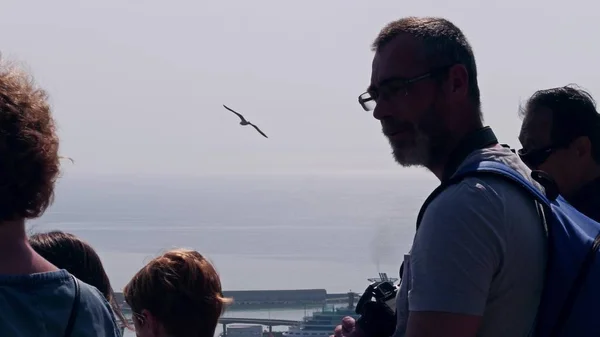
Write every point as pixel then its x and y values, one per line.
pixel 271 299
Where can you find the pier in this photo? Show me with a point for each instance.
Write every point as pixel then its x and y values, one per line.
pixel 272 299
pixel 269 323
pixel 252 299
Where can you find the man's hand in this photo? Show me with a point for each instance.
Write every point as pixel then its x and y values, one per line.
pixel 348 328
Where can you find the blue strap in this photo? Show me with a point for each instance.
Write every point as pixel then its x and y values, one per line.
pixel 486 167
pixel 504 170
pixel 74 308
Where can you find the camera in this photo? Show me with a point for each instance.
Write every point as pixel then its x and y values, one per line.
pixel 377 308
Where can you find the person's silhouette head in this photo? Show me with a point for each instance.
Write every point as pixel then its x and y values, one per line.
pixel 176 294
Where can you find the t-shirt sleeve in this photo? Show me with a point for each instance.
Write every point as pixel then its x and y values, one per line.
pixel 96 314
pixel 457 250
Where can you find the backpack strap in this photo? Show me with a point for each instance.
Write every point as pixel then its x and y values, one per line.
pixel 503 170
pixel 493 168
pixel 74 308
pixel 485 168
pixel 488 168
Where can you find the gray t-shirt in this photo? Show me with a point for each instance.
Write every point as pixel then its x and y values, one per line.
pixel 39 305
pixel 480 250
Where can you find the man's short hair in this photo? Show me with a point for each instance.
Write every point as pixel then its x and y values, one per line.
pixel 29 161
pixel 574 114
pixel 444 44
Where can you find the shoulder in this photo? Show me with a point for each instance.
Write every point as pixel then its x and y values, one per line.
pixel 484 208
pixel 466 234
pixel 480 204
pixel 94 310
pixel 488 197
pixel 467 199
pixel 457 250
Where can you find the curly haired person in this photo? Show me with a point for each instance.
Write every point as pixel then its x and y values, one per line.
pixel 36 297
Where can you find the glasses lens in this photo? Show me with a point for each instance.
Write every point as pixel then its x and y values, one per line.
pixel 533 159
pixel 367 102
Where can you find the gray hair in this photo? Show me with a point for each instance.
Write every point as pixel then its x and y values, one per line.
pixel 444 44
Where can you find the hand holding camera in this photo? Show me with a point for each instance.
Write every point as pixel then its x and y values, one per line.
pixel 377 310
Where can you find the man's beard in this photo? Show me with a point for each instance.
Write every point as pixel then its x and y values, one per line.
pixel 428 145
pixel 418 153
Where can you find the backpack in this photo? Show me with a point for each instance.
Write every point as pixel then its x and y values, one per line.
pixel 570 302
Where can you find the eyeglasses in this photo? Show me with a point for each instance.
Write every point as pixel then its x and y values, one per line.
pixel 534 158
pixel 391 86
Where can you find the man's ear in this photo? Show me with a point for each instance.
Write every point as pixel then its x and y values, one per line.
pixel 582 146
pixel 458 80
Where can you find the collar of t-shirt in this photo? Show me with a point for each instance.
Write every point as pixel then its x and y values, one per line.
pixel 476 140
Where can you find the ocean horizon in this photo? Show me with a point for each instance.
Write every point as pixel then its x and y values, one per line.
pixel 286 231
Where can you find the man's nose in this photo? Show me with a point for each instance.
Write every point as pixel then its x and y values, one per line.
pixel 382 110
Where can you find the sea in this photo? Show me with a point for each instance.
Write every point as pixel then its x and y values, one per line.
pixel 261 231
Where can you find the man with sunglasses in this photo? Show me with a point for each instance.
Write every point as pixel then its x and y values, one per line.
pixel 476 266
pixel 560 135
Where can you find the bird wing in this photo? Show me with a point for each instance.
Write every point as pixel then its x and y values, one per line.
pixel 257 129
pixel 240 116
pixel 68 158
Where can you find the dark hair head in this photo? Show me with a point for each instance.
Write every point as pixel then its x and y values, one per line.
pixel 444 44
pixel 66 251
pixel 182 290
pixel 574 114
pixel 29 161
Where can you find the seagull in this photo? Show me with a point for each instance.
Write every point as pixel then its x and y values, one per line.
pixel 244 121
pixel 68 158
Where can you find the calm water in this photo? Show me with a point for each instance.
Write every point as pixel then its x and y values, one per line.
pixel 261 232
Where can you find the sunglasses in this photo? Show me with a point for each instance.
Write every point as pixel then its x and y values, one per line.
pixel 534 158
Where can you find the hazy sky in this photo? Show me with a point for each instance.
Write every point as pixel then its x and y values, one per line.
pixel 137 86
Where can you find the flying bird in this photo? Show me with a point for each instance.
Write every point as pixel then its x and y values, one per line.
pixel 245 122
pixel 68 158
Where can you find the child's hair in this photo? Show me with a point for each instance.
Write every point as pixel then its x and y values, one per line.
pixel 182 290
pixel 66 251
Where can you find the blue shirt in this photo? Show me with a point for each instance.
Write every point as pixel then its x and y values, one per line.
pixel 40 304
